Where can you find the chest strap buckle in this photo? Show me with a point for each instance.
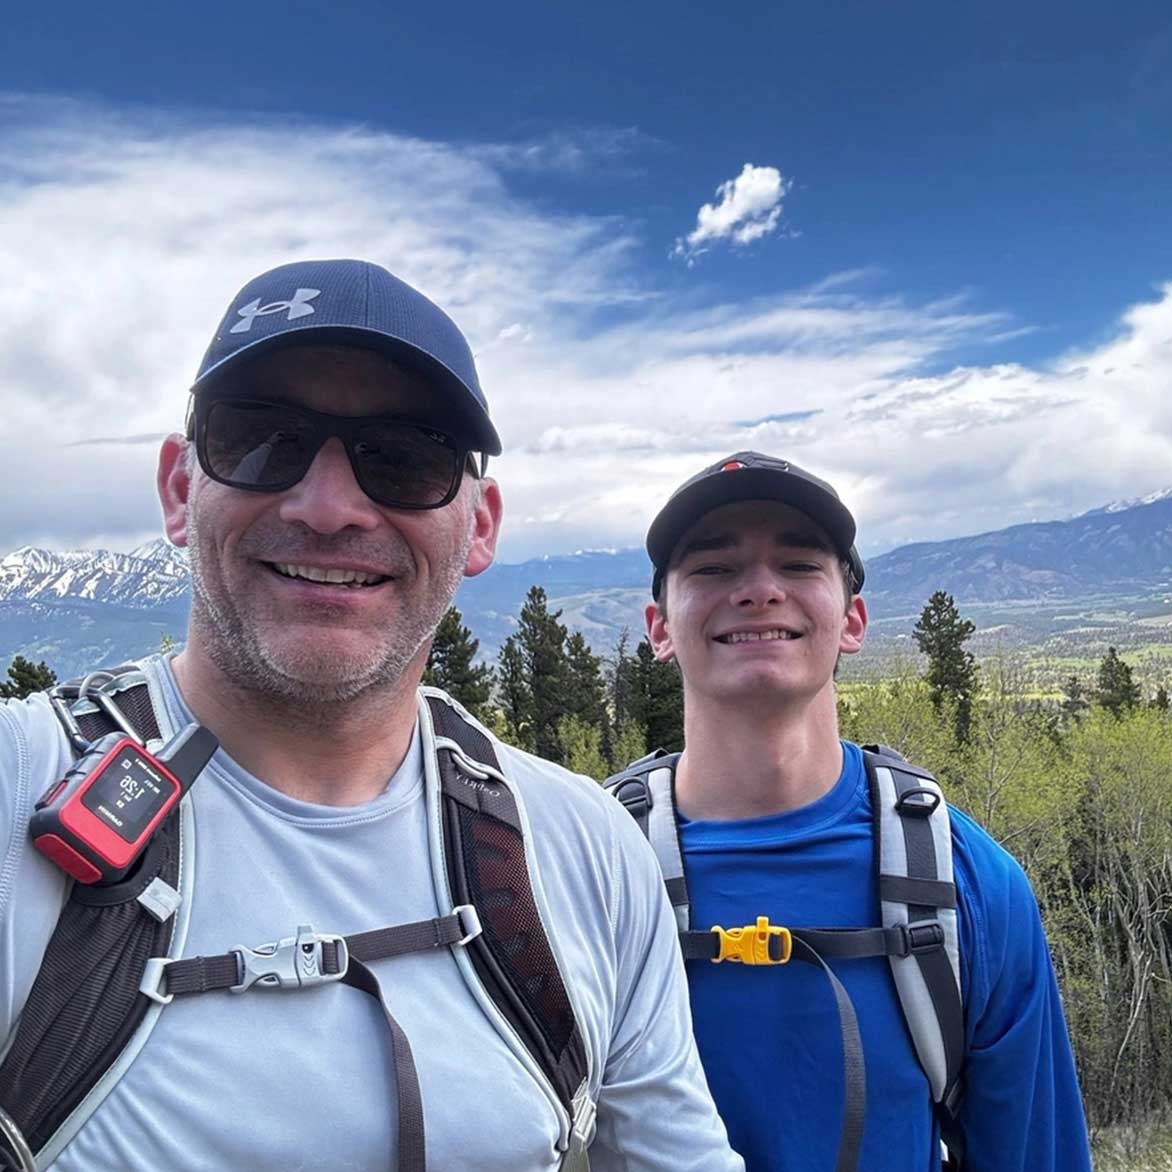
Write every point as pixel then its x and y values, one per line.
pixel 762 943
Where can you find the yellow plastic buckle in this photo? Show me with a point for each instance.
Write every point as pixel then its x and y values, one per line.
pixel 750 945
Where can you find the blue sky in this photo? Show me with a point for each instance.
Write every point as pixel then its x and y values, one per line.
pixel 935 258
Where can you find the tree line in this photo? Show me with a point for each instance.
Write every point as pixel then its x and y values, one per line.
pixel 1079 789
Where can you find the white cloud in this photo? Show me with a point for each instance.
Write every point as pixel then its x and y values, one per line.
pixel 122 240
pixel 746 208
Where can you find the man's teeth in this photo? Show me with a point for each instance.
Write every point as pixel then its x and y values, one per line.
pixel 332 577
pixel 756 636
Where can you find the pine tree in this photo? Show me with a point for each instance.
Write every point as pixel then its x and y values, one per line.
pixel 941 634
pixel 657 700
pixel 618 680
pixel 1074 702
pixel 586 691
pixel 541 639
pixel 1117 691
pixel 25 678
pixel 1160 699
pixel 581 745
pixel 452 665
pixel 516 700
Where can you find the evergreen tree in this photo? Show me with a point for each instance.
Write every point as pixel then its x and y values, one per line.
pixel 941 634
pixel 630 743
pixel 516 700
pixel 1160 699
pixel 541 639
pixel 1074 701
pixel 586 691
pixel 451 664
pixel 618 681
pixel 1117 691
pixel 25 678
pixel 581 745
pixel 657 700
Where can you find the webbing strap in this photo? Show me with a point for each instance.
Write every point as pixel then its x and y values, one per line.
pixel 203 974
pixel 412 1134
pixel 929 893
pixel 706 946
pixel 854 1075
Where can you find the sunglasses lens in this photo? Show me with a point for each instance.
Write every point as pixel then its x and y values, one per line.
pixel 270 446
pixel 257 445
pixel 399 464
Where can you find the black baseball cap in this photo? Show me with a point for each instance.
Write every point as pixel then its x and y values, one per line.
pixel 355 303
pixel 751 476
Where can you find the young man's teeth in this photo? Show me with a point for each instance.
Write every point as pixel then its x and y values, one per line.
pixel 331 577
pixel 757 636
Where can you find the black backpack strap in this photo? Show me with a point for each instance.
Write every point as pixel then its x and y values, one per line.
pixel 647 789
pixel 913 854
pixel 85 1006
pixel 484 850
pixel 85 1003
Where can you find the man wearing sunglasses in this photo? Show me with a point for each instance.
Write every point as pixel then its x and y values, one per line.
pixel 331 494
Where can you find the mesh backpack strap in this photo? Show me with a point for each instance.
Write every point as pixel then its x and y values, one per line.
pixel 84 1006
pixel 913 853
pixel 647 789
pixel 85 1003
pixel 484 851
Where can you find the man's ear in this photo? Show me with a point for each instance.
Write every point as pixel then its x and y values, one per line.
pixel 174 485
pixel 854 627
pixel 657 633
pixel 486 527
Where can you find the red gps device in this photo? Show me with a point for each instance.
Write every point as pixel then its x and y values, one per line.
pixel 96 821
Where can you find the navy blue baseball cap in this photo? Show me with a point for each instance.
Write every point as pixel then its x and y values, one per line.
pixel 751 476
pixel 355 303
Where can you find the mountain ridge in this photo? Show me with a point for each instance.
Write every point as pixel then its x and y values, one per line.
pixel 70 607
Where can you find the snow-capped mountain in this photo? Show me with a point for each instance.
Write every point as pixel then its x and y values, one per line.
pixel 89 609
pixel 1161 494
pixel 147 577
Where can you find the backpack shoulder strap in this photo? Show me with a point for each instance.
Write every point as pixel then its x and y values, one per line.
pixel 647 789
pixel 85 1018
pixel 486 864
pixel 917 894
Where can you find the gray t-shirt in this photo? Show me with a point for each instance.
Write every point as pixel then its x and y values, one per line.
pixel 303 1079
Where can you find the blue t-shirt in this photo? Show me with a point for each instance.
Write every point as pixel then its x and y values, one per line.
pixel 769 1036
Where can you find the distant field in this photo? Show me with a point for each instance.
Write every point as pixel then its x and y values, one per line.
pixel 1045 643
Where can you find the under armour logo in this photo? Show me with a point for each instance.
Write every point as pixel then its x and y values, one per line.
pixel 297 307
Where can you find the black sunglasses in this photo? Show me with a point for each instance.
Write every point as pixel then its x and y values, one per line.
pixel 262 446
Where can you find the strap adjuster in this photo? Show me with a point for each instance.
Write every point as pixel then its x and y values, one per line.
pixel 154 977
pixel 292 963
pixel 921 936
pixel 469 920
pixel 760 943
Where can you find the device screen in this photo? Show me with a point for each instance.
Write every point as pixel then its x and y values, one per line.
pixel 128 793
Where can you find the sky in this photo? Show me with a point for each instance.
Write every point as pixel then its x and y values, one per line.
pixel 923 250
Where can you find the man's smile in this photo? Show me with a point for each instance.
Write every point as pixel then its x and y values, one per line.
pixel 768 634
pixel 329 575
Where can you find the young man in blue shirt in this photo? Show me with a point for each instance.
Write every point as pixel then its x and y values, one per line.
pixel 756 592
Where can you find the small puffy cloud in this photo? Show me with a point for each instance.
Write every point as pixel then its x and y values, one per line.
pixel 746 208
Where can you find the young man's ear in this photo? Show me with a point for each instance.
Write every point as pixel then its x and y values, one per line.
pixel 854 626
pixel 657 633
pixel 174 484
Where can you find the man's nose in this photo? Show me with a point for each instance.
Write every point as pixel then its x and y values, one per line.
pixel 328 498
pixel 758 586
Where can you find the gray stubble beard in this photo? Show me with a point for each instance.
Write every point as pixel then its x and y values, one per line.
pixel 235 649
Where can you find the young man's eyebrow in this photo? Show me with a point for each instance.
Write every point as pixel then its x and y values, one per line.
pixel 791 538
pixel 706 544
pixel 804 539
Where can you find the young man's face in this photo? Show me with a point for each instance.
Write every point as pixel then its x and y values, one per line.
pixel 256 615
pixel 756 606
